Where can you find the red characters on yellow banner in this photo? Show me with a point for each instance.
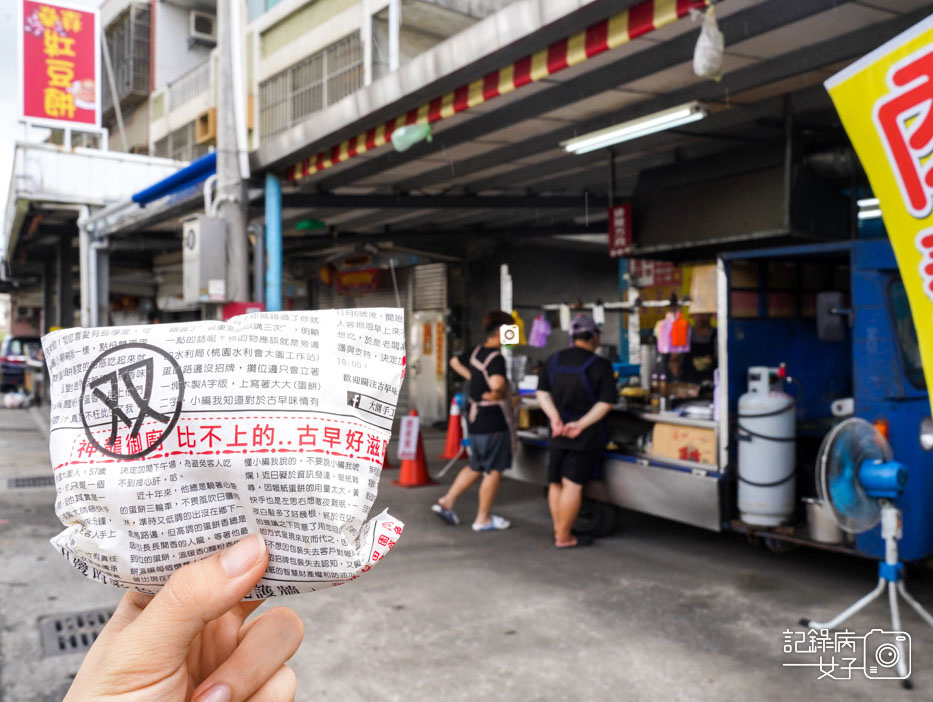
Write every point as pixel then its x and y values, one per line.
pixel 885 101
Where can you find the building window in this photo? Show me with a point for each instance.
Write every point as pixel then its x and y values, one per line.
pixel 309 86
pixel 180 145
pixel 128 43
pixel 254 8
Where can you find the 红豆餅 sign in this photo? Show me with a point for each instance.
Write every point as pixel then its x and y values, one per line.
pixel 59 67
pixel 620 230
pixel 885 100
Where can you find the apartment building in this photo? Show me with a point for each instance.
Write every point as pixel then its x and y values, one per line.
pixel 153 45
pixel 301 56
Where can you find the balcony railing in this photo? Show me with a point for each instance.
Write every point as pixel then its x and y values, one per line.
pixel 190 85
pixel 310 85
pixel 128 43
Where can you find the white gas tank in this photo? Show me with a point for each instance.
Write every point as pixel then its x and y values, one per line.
pixel 767 451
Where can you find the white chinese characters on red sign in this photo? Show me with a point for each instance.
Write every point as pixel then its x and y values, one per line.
pixel 620 230
pixel 649 274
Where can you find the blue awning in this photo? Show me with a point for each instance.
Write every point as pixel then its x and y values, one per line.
pixel 195 172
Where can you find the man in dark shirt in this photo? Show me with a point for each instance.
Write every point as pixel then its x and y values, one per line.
pixel 490 424
pixel 576 390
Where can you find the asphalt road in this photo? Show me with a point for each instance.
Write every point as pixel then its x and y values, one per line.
pixel 658 611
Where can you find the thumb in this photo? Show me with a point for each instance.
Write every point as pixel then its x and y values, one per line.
pixel 197 594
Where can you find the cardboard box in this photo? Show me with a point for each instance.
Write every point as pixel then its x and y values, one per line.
pixel 684 443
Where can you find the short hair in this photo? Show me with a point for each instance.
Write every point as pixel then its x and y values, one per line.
pixel 584 335
pixel 495 319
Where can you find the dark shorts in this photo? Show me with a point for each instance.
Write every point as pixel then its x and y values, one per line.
pixel 577 466
pixel 491 451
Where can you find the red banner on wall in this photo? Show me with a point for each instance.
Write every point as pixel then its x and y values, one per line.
pixel 620 230
pixel 59 64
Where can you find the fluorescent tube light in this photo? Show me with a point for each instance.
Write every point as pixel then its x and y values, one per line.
pixel 869 214
pixel 633 129
pixel 869 202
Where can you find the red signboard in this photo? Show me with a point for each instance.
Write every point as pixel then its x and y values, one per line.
pixel 620 230
pixel 650 274
pixel 59 64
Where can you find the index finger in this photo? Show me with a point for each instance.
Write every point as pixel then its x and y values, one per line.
pixel 197 594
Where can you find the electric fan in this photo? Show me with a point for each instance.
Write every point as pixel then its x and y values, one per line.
pixel 857 477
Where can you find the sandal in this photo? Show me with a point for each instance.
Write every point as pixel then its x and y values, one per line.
pixel 582 540
pixel 448 515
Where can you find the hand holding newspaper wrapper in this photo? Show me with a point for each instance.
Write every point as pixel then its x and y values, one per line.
pixel 170 442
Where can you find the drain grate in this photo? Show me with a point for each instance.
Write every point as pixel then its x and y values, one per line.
pixel 31 481
pixel 74 632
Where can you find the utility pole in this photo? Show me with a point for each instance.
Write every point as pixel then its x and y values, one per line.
pixel 231 189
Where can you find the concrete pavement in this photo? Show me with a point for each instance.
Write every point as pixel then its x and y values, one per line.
pixel 658 611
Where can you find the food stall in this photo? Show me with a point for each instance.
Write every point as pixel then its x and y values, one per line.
pixel 795 325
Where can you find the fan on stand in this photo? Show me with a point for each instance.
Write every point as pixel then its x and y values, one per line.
pixel 857 477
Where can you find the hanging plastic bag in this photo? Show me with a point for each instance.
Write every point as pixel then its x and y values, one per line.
pixel 678 332
pixel 599 313
pixel 564 317
pixel 683 334
pixel 662 332
pixel 540 331
pixel 707 56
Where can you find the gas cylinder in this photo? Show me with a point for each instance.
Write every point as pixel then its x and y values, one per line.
pixel 766 437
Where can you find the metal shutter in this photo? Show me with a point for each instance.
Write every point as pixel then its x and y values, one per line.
pixel 431 287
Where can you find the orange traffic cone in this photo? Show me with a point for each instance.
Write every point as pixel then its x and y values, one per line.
pixel 454 446
pixel 414 473
pixel 386 463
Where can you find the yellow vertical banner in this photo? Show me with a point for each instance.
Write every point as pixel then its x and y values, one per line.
pixel 885 101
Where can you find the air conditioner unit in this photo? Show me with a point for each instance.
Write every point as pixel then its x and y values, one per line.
pixel 202 28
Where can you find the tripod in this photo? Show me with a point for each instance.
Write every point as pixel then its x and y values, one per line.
pixel 890 577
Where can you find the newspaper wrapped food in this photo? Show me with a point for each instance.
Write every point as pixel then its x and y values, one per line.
pixel 169 442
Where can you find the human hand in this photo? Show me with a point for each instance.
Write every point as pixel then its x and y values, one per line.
pixel 490 396
pixel 557 427
pixel 573 429
pixel 190 642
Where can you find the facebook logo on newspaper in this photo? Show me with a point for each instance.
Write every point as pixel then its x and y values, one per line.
pixel 879 654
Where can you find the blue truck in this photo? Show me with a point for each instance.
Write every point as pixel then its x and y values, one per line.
pixel 768 316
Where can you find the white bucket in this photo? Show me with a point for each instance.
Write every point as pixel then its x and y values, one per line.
pixel 820 522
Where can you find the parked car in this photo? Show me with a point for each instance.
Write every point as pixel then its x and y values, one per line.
pixel 14 352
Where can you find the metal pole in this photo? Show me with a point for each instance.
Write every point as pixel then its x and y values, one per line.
pixel 111 81
pixel 85 265
pixel 231 191
pixel 395 23
pixel 48 296
pixel 273 243
pixel 788 160
pixel 65 300
pixel 259 263
pixel 102 259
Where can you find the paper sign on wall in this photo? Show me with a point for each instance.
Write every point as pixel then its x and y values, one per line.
pixel 408 438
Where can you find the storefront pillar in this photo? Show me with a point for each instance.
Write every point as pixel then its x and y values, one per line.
pixel 65 262
pixel 273 243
